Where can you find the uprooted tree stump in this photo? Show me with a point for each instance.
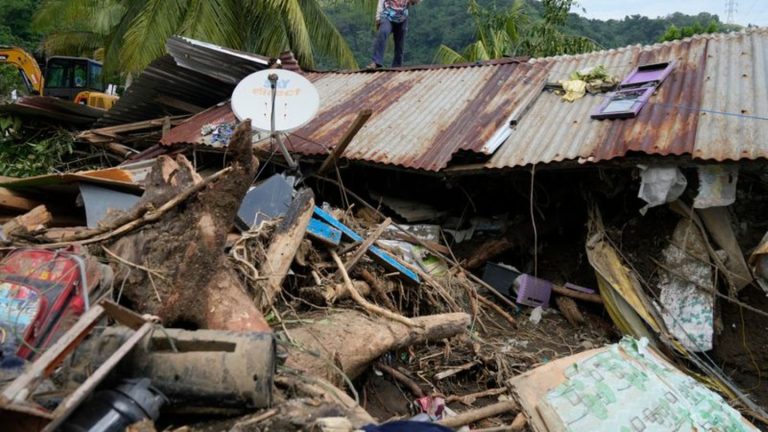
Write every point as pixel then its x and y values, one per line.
pixel 175 267
pixel 349 341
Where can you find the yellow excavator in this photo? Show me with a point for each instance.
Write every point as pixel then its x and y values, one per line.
pixel 76 79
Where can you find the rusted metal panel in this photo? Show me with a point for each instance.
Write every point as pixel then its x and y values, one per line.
pixel 736 84
pixel 195 73
pixel 421 117
pixel 189 132
pixel 697 111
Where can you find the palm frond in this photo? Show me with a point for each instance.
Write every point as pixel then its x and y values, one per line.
pixel 326 39
pixel 213 21
pixel 446 55
pixel 477 52
pixel 297 32
pixel 72 43
pixel 145 39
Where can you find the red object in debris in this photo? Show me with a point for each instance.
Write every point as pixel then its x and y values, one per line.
pixel 42 294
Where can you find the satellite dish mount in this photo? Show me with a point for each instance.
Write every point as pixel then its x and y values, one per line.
pixel 292 165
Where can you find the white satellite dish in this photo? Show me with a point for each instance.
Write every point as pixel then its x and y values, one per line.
pixel 296 100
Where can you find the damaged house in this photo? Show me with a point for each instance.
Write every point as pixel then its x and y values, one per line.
pixel 566 243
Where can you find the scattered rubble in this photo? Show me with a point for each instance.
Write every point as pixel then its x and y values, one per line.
pixel 208 284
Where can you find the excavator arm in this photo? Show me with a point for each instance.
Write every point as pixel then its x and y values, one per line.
pixel 27 65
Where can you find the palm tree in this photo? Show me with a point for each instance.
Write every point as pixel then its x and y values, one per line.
pixel 133 32
pixel 512 33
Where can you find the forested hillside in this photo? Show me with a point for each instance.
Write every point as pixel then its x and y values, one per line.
pixel 448 22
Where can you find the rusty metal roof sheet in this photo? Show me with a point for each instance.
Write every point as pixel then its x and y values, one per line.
pixel 713 106
pixel 189 132
pixel 194 76
pixel 421 117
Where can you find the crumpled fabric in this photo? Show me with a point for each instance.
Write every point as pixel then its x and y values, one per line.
pixel 660 185
pixel 594 79
pixel 574 89
pixel 717 186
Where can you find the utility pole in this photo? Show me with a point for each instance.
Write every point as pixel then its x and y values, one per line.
pixel 730 10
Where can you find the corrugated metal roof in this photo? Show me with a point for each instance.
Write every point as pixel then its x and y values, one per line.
pixel 699 110
pixel 421 117
pixel 195 73
pixel 189 132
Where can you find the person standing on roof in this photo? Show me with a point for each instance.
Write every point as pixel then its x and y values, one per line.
pixel 391 17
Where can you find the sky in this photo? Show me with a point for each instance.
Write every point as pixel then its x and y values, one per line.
pixel 747 11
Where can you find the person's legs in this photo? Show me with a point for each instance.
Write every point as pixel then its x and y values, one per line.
pixel 399 30
pixel 380 43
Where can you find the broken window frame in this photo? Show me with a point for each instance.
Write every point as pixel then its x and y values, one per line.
pixel 641 83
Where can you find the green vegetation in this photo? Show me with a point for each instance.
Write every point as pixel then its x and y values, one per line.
pixel 15 19
pixel 673 32
pixel 513 33
pixel 451 23
pixel 134 32
pixel 32 149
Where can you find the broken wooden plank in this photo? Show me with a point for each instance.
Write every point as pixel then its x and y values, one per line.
pixel 36 218
pixel 285 242
pixel 68 405
pixel 376 253
pixel 323 233
pixel 360 120
pixel 15 201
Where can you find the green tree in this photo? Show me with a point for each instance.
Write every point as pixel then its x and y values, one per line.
pixel 673 32
pixel 133 32
pixel 513 32
pixel 15 16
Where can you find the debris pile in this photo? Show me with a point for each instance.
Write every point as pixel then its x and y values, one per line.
pixel 207 283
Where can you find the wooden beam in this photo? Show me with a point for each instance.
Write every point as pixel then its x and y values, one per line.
pixel 285 242
pixel 338 151
pixel 15 201
pixel 28 222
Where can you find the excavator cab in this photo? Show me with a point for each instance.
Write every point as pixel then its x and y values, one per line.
pixel 66 77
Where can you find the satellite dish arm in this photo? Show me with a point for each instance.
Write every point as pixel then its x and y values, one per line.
pixel 292 165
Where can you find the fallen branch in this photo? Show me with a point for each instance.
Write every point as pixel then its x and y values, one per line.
pixel 469 399
pixel 496 308
pixel 454 370
pixel 472 416
pixel 592 298
pixel 399 376
pixel 518 424
pixel 325 390
pixel 363 248
pixel 570 310
pixel 377 287
pixel 359 299
pixel 144 217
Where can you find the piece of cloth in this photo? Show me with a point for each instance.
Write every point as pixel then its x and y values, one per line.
pixel 717 186
pixel 660 185
pixel 628 387
pixel 398 30
pixel 687 304
pixel 392 10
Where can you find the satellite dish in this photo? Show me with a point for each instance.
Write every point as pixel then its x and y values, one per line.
pixel 296 100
